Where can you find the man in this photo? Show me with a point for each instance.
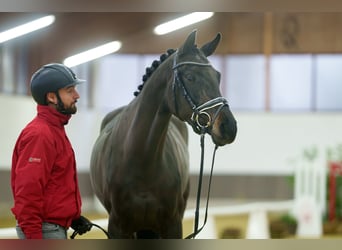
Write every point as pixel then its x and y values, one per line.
pixel 44 181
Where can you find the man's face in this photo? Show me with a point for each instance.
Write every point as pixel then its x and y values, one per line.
pixel 69 96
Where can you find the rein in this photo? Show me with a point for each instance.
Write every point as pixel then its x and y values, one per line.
pixel 95 225
pixel 199 191
pixel 199 111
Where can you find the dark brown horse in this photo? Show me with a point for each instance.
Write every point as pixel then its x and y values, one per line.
pixel 139 164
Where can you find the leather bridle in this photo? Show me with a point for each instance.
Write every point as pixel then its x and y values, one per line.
pixel 197 110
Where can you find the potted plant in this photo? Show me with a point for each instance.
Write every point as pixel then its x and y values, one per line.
pixel 283 226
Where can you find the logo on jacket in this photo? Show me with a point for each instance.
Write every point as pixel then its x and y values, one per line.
pixel 34 159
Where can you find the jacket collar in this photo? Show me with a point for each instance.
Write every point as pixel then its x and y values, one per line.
pixel 52 116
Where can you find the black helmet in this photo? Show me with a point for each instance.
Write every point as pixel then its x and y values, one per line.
pixel 51 78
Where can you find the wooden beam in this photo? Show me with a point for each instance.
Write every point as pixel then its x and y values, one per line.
pixel 267 50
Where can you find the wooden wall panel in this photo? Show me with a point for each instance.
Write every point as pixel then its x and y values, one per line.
pixel 245 33
pixel 307 33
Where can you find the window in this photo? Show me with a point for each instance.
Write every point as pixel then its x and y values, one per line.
pixel 329 82
pixel 117 79
pixel 245 82
pixel 291 83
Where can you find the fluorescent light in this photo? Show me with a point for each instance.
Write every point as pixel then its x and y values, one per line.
pixel 26 28
pixel 182 22
pixel 92 54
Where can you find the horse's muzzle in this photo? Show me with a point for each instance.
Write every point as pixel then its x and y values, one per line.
pixel 224 129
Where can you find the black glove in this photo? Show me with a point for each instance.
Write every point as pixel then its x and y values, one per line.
pixel 81 225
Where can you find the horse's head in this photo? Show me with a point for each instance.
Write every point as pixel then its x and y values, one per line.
pixel 196 92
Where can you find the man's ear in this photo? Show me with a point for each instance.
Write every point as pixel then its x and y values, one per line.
pixel 51 98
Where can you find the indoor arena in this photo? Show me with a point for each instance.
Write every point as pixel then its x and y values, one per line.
pixel 226 127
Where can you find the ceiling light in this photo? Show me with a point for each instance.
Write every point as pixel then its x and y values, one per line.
pixel 182 22
pixel 92 54
pixel 26 28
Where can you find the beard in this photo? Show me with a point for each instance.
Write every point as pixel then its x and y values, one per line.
pixel 70 110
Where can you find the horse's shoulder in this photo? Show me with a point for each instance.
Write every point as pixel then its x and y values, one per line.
pixel 110 116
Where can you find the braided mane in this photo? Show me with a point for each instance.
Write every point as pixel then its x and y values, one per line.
pixel 154 66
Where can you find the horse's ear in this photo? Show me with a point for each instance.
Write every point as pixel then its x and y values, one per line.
pixel 210 47
pixel 189 43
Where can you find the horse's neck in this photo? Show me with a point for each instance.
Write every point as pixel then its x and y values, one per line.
pixel 151 114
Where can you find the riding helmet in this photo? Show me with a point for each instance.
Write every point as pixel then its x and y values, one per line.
pixel 50 78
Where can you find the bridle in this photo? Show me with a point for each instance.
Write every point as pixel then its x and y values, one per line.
pixel 197 112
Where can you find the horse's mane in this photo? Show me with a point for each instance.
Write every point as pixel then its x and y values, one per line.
pixel 154 66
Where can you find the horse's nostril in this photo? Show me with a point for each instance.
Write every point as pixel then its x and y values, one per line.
pixel 223 128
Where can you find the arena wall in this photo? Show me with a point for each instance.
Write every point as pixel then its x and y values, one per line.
pixel 255 166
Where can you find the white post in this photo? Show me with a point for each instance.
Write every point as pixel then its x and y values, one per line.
pixel 257 227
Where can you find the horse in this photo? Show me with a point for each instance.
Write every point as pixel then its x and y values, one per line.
pixel 139 165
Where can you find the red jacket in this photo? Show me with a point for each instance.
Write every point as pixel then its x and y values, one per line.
pixel 43 177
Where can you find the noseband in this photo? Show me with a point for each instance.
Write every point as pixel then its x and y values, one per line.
pixel 197 110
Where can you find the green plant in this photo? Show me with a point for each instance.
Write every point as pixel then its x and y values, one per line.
pixel 283 226
pixel 334 153
pixel 308 155
pixel 288 219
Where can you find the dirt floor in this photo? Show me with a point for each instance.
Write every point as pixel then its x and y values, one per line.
pixel 222 223
pixel 226 227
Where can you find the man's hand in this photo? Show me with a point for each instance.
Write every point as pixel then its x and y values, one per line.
pixel 81 225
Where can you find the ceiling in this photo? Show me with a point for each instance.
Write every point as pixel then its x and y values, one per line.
pixel 73 32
